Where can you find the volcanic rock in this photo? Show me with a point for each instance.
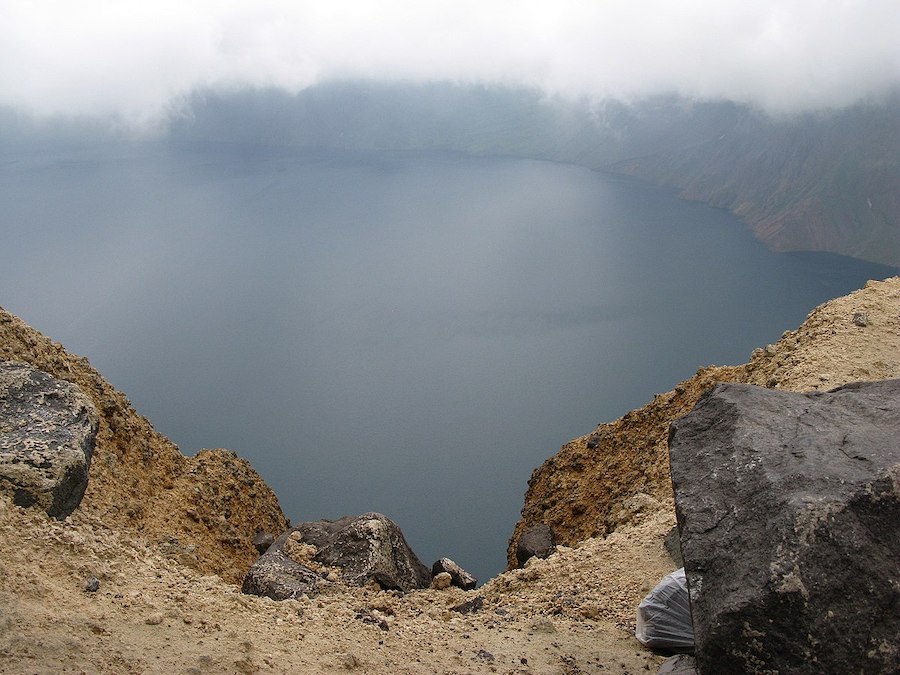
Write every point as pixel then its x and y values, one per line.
pixel 459 577
pixel 47 433
pixel 365 548
pixel 537 540
pixel 275 575
pixel 262 541
pixel 789 511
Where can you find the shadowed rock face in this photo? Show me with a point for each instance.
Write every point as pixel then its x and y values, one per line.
pixel 789 511
pixel 47 433
pixel 357 550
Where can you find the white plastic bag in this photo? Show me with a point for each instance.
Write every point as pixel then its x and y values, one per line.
pixel 664 616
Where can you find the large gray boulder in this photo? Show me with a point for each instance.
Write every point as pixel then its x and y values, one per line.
pixel 47 433
pixel 355 549
pixel 789 511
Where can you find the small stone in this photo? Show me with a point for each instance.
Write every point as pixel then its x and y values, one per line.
pixel 469 607
pixel 484 655
pixel 246 665
pixel 680 664
pixel 349 661
pixel 369 617
pixel 441 581
pixel 92 585
pixel 458 576
pixel 154 619
pixel 861 319
pixel 543 626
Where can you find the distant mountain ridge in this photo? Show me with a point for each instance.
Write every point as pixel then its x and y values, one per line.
pixel 826 181
pixel 819 182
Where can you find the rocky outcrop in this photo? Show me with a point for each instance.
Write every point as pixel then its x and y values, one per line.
pixel 789 512
pixel 579 492
pixel 587 488
pixel 47 433
pixel 369 548
pixel 203 510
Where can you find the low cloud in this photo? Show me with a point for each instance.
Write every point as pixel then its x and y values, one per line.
pixel 138 60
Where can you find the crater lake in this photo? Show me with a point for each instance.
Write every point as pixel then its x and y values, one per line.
pixel 410 333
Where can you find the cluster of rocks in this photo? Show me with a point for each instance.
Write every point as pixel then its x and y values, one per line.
pixel 356 550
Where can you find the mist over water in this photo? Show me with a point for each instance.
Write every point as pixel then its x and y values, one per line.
pixel 404 333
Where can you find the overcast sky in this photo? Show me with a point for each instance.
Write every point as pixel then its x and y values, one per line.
pixel 137 59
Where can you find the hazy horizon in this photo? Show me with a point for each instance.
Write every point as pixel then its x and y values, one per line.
pixel 135 64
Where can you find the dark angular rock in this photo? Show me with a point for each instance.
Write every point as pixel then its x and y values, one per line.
pixel 537 540
pixel 365 548
pixel 485 655
pixel 458 576
pixel 789 511
pixel 47 433
pixel 470 606
pixel 262 541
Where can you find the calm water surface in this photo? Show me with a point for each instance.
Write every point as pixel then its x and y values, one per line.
pixel 404 333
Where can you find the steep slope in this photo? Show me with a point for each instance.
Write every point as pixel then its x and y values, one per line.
pixel 203 510
pixel 584 489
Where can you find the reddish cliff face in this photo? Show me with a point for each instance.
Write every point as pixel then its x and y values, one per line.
pixel 582 490
pixel 588 488
pixel 202 510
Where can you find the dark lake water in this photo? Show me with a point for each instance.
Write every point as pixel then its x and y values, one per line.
pixel 404 333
